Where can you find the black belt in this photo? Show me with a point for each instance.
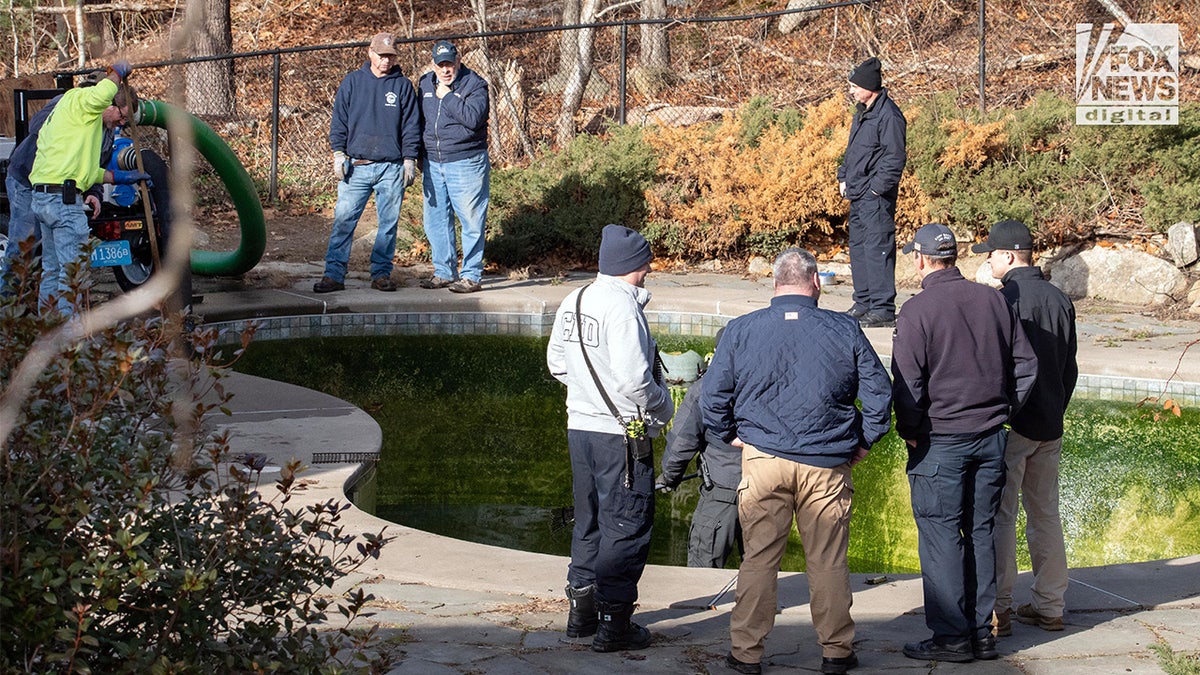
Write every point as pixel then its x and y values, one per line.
pixel 52 188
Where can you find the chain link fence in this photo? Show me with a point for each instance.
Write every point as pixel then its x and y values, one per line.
pixel 278 124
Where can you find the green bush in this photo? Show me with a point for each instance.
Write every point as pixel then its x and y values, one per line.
pixel 558 205
pixel 1059 178
pixel 131 541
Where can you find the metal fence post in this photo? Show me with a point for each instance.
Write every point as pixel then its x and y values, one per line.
pixel 623 69
pixel 982 57
pixel 273 182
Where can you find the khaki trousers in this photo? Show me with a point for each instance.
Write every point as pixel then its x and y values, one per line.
pixel 1032 472
pixel 773 491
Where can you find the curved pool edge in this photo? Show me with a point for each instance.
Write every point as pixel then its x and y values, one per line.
pixel 417 557
pixel 284 421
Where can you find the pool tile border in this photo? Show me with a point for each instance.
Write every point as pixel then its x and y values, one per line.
pixel 1128 389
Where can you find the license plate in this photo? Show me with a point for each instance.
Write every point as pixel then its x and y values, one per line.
pixel 112 254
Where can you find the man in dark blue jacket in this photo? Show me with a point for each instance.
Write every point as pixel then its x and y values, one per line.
pixel 376 138
pixel 782 386
pixel 1034 445
pixel 456 169
pixel 961 366
pixel 870 178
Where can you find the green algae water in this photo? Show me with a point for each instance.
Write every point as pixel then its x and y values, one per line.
pixel 474 447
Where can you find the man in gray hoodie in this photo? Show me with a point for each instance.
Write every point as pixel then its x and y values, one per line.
pixel 617 401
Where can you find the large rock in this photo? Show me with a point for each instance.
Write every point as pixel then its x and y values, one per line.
pixel 1121 275
pixel 1181 244
pixel 790 22
pixel 759 267
pixel 983 275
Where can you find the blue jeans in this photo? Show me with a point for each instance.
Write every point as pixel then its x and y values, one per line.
pixel 459 188
pixel 956 482
pixel 64 230
pixel 611 539
pixel 386 180
pixel 21 224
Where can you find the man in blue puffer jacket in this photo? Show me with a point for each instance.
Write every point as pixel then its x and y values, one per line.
pixel 456 169
pixel 870 178
pixel 782 386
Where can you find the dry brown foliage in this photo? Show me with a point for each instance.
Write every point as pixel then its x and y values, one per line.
pixel 718 196
pixel 972 145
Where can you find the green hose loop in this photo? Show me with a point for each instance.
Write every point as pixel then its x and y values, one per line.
pixel 236 180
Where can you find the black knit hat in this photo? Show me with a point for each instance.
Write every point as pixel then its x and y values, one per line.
pixel 868 75
pixel 622 251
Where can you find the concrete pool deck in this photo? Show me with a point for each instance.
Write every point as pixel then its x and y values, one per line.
pixel 458 607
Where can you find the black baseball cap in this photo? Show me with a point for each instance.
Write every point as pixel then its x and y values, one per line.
pixel 1006 235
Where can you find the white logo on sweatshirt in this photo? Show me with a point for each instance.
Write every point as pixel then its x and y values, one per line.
pixel 390 98
pixel 589 326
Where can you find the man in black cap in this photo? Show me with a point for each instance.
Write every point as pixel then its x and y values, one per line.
pixel 870 178
pixel 961 366
pixel 455 168
pixel 1035 441
pixel 617 401
pixel 375 134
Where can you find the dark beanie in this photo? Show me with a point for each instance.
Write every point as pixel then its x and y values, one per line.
pixel 622 251
pixel 868 75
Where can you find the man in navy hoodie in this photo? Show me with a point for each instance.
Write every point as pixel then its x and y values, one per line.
pixel 961 367
pixel 870 178
pixel 376 138
pixel 456 170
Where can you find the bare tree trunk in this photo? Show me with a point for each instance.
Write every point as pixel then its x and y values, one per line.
pixel 568 41
pixel 210 83
pixel 578 74
pixel 80 33
pixel 656 50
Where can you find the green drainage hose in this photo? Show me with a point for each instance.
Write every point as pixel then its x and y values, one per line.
pixel 241 190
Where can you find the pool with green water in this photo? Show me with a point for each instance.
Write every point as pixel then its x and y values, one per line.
pixel 474 447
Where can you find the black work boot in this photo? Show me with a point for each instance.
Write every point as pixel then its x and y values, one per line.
pixel 582 620
pixel 616 631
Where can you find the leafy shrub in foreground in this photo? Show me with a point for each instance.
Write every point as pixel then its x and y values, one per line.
pixel 132 542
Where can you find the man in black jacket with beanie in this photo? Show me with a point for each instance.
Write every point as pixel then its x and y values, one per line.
pixel 870 178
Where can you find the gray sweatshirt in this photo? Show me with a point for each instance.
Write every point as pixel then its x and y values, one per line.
pixel 618 342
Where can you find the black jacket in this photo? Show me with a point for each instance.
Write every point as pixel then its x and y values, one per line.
pixel 1048 317
pixel 961 363
pixel 875 153
pixel 687 437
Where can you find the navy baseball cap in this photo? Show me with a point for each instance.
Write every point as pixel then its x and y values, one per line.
pixel 934 239
pixel 444 51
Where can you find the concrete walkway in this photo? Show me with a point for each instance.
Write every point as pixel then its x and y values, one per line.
pixel 456 607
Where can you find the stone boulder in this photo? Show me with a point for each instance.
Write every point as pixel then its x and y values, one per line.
pixel 790 22
pixel 1181 244
pixel 759 267
pixel 1121 275
pixel 983 275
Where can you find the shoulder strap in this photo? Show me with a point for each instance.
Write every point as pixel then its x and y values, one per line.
pixel 591 369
